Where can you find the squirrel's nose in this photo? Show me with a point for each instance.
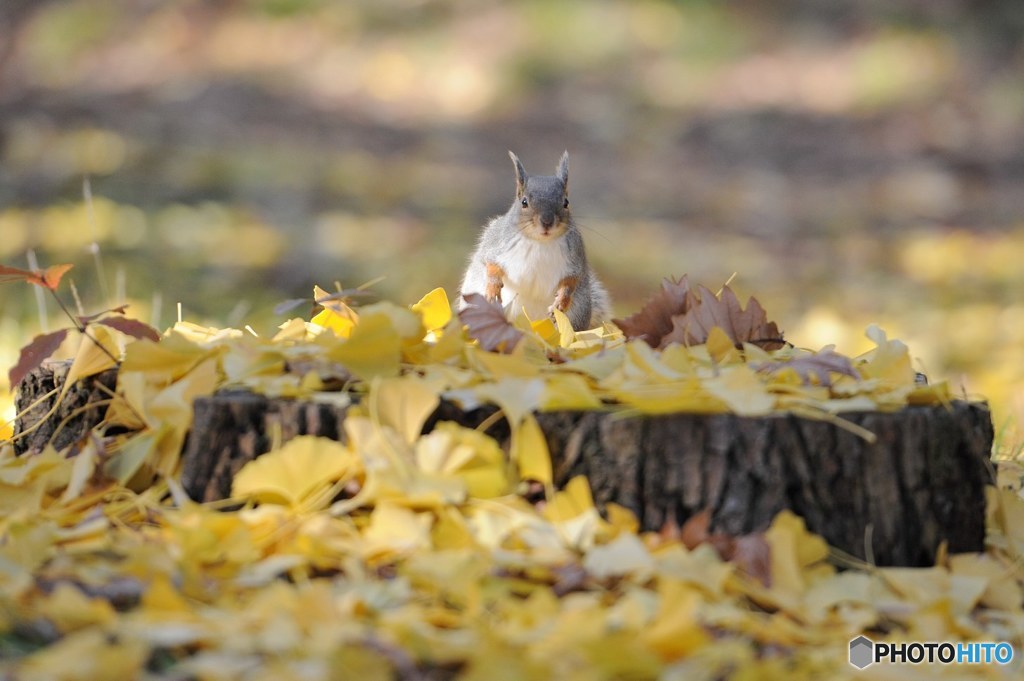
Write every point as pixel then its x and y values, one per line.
pixel 547 220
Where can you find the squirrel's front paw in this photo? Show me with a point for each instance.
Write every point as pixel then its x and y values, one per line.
pixel 495 282
pixel 493 292
pixel 563 299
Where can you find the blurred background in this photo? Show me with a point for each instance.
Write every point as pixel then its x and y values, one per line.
pixel 851 161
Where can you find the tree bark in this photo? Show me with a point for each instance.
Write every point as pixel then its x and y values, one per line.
pixel 231 429
pixel 81 408
pixel 891 502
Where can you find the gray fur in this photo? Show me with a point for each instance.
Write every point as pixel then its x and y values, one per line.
pixel 521 176
pixel 507 236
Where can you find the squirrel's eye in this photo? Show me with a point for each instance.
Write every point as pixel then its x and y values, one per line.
pixel 565 204
pixel 525 202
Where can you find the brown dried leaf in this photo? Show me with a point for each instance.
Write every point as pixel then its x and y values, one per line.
pixel 132 327
pixel 695 532
pixel 695 529
pixel 331 300
pixel 707 311
pixel 670 530
pixel 816 367
pixel 654 320
pixel 88 319
pixel 753 555
pixel 486 322
pixel 750 551
pixel 33 354
pixel 288 305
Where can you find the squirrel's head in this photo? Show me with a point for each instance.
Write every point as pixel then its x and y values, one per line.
pixel 542 201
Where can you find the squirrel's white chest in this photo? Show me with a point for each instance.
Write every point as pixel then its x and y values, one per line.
pixel 533 270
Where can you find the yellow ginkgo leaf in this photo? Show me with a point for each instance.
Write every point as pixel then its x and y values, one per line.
pixel 545 328
pixel 204 336
pixel 88 653
pixel 451 531
pixel 336 316
pixel 720 346
pixel 394 530
pixel 573 500
pixel 406 323
pixel 1002 588
pixel 447 344
pixel 499 366
pixel 300 467
pixel 468 454
pixel 626 554
pixel 134 454
pixel 797 555
pixel 173 404
pixel 568 391
pixel 96 353
pixel 434 309
pixel 740 388
pixel 566 334
pixel 162 598
pixel 167 360
pixel 373 348
pixel 889 362
pixel 69 609
pixel 530 451
pixel 517 397
pixel 404 403
pixel 294 329
pixel 339 323
pixel 676 630
pixel 81 471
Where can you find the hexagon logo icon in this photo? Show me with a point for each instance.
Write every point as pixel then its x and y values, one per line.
pixel 862 652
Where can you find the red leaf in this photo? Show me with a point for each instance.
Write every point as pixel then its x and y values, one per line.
pixel 52 275
pixel 486 323
pixel 131 327
pixel 48 278
pixel 9 274
pixel 33 354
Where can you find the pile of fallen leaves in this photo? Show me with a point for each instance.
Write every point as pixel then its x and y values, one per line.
pixel 411 555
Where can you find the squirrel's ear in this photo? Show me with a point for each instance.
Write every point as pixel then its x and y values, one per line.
pixel 520 175
pixel 563 170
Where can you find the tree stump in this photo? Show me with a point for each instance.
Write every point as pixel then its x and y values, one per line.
pixel 231 429
pixel 891 502
pixel 81 408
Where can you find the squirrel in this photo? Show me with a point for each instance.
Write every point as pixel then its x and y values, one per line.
pixel 532 257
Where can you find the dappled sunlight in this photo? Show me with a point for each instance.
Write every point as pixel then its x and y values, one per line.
pixel 840 182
